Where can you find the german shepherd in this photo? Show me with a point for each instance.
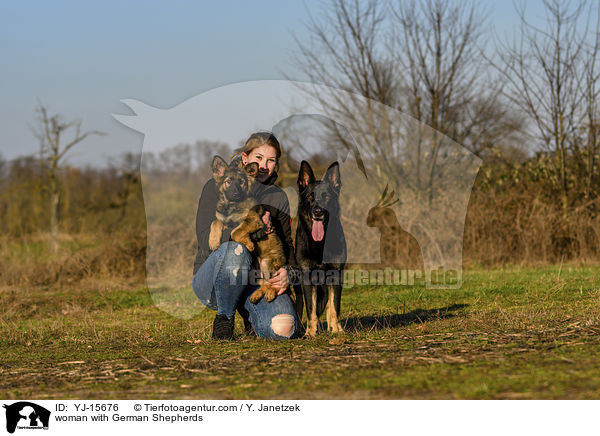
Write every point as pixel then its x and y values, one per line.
pixel 235 207
pixel 320 246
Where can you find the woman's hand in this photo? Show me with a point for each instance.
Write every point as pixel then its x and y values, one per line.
pixel 267 222
pixel 280 280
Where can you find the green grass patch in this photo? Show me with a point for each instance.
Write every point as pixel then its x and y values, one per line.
pixel 507 333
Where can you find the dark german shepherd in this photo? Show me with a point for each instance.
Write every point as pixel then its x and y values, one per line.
pixel 235 207
pixel 320 246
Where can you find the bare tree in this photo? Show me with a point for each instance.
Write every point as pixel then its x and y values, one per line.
pixel 417 83
pixel 552 75
pixel 439 47
pixel 346 51
pixel 53 149
pixel 592 91
pixel 422 58
pixel 448 84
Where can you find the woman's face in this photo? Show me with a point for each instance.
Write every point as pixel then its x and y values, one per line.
pixel 266 158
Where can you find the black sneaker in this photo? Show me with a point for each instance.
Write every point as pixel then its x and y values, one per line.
pixel 223 327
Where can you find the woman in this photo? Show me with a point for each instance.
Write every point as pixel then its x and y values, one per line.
pixel 220 276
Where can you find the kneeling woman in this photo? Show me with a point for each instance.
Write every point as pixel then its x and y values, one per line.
pixel 220 276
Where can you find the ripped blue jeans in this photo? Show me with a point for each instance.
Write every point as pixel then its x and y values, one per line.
pixel 221 284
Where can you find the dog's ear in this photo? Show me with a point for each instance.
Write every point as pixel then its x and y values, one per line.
pixel 332 176
pixel 305 175
pixel 219 166
pixel 251 169
pixel 236 162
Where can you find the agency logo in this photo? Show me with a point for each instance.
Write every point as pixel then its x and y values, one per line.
pixel 26 415
pixel 404 193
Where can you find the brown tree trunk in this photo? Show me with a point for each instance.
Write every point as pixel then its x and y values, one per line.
pixel 54 219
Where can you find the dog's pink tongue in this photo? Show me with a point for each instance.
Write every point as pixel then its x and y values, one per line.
pixel 317 230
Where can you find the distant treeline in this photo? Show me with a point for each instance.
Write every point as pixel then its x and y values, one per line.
pixel 94 200
pixel 513 216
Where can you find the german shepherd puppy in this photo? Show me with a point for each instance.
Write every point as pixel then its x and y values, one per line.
pixel 236 207
pixel 268 250
pixel 320 246
pixel 234 182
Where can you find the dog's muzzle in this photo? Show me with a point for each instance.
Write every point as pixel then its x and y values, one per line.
pixel 235 193
pixel 318 213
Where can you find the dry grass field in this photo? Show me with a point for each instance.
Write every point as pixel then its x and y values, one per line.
pixel 507 333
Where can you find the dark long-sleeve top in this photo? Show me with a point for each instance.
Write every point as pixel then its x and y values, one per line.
pixel 270 196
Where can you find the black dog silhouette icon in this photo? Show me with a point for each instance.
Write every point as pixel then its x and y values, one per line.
pixel 30 413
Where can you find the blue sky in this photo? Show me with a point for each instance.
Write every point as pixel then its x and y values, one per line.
pixel 81 58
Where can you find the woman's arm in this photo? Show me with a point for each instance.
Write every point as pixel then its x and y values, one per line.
pixel 205 215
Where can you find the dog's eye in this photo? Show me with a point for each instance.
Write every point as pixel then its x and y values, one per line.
pixel 311 196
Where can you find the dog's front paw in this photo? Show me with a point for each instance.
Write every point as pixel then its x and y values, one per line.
pixel 214 237
pixel 335 327
pixel 270 295
pixel 311 329
pixel 256 296
pixel 213 242
pixel 310 333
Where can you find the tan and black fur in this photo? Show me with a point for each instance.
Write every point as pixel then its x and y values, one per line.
pixel 234 182
pixel 238 210
pixel 269 252
pixel 319 206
